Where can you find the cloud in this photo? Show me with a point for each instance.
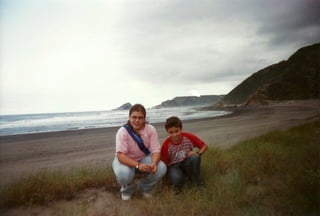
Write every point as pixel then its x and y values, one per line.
pixel 89 55
pixel 297 23
pixel 172 41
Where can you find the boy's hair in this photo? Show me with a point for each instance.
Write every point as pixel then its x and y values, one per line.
pixel 173 121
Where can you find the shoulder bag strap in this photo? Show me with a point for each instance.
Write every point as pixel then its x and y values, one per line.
pixel 137 139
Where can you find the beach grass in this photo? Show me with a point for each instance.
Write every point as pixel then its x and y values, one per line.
pixel 274 174
pixel 47 186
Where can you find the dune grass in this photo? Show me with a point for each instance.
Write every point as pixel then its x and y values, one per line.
pixel 274 174
pixel 44 187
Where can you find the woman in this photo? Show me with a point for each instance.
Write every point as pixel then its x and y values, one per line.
pixel 137 151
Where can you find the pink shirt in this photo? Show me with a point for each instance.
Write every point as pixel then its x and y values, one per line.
pixel 126 145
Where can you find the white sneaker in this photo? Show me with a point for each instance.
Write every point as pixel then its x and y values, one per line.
pixel 125 197
pixel 147 195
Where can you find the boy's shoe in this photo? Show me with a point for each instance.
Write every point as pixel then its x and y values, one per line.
pixel 147 195
pixel 125 197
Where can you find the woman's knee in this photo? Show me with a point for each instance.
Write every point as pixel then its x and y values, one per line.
pixel 162 169
pixel 124 174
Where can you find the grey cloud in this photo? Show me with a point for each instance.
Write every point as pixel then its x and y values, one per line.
pixel 177 38
pixel 297 23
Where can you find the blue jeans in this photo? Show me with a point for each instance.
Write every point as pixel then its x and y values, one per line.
pixel 125 176
pixel 189 169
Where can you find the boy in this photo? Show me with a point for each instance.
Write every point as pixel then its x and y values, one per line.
pixel 177 152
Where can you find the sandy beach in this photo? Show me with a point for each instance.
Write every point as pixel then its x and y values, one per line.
pixel 22 155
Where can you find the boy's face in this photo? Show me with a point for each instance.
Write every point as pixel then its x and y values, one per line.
pixel 174 134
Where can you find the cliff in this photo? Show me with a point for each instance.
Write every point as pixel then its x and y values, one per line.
pixel 297 78
pixel 190 101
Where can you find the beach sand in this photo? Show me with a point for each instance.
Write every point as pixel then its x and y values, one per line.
pixel 22 155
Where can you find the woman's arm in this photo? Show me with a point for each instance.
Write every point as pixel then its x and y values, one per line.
pixel 155 160
pixel 124 159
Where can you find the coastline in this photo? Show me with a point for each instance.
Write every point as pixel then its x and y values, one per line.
pixel 22 155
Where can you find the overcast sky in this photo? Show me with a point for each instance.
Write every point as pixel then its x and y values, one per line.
pixel 72 55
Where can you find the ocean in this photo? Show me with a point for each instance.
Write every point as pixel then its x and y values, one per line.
pixel 37 123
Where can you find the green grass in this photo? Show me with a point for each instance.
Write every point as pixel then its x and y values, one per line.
pixel 274 174
pixel 49 186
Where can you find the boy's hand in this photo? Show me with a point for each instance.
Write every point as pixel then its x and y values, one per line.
pixel 192 153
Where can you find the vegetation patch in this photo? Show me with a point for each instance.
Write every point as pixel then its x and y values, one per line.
pixel 44 187
pixel 274 174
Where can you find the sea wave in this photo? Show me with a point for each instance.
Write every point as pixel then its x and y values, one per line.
pixel 36 123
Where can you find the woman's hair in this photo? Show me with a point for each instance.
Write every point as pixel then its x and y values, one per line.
pixel 138 108
pixel 173 121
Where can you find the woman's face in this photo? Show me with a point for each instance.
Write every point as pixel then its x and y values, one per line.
pixel 137 120
pixel 174 134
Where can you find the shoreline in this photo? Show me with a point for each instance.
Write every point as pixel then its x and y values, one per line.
pixel 25 154
pixel 62 122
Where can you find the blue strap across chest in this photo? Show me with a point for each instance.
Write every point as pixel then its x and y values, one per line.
pixel 137 139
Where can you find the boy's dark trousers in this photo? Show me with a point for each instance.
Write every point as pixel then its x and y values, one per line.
pixel 187 170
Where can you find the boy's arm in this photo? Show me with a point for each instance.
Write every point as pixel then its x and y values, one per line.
pixel 202 150
pixel 197 142
pixel 164 153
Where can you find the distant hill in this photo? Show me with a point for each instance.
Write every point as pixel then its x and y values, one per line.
pixel 295 79
pixel 190 101
pixel 125 106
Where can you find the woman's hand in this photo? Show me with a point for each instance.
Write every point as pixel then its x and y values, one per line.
pixel 153 167
pixel 149 168
pixel 144 167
